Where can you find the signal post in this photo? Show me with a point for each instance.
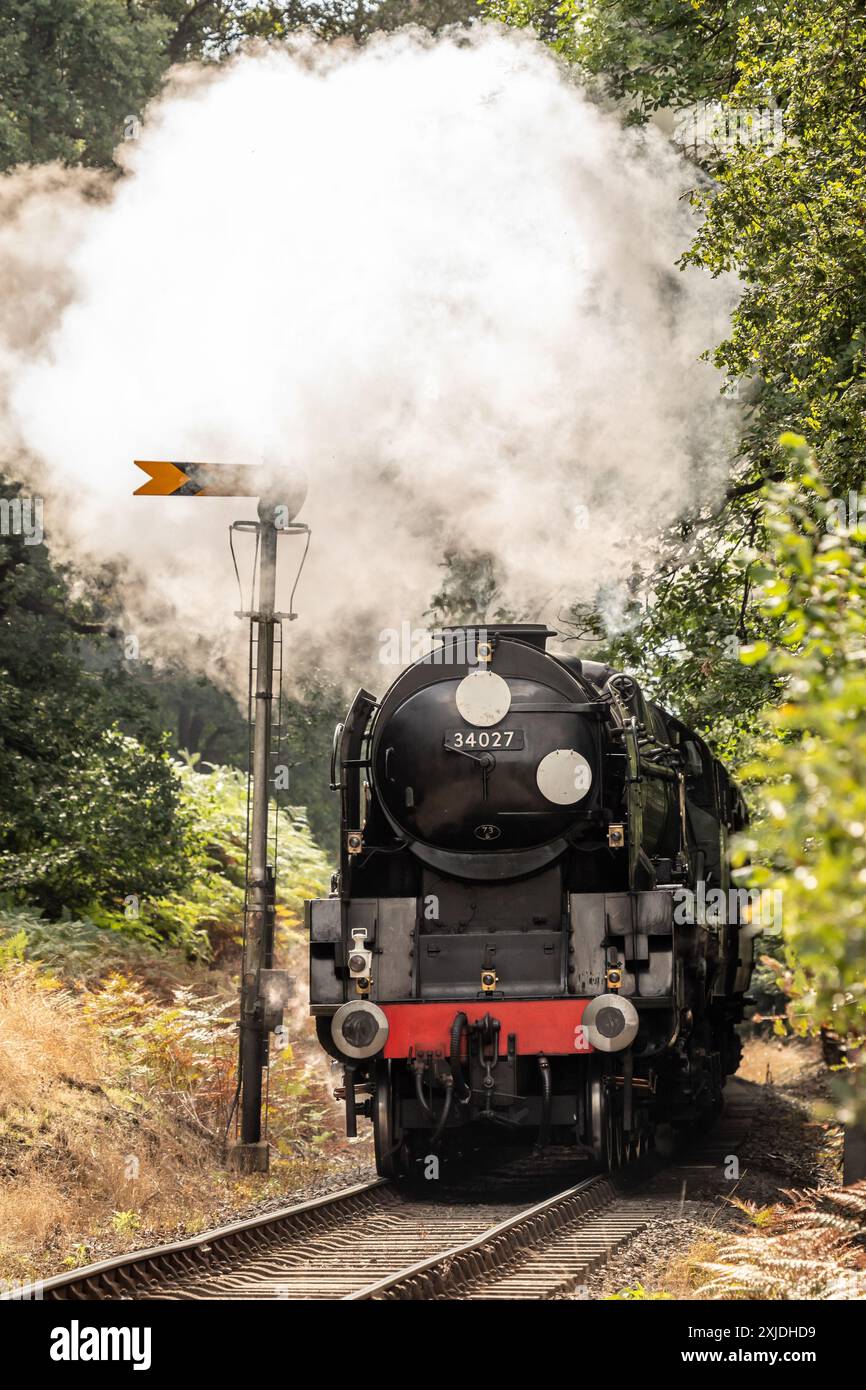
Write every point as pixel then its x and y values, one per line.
pixel 264 990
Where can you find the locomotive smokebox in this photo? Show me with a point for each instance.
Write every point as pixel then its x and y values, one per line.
pixel 488 748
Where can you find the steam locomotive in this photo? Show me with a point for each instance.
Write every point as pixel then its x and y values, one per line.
pixel 508 948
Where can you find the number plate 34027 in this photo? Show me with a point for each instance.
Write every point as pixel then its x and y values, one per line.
pixel 490 739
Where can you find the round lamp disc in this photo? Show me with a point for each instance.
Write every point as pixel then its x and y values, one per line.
pixel 483 698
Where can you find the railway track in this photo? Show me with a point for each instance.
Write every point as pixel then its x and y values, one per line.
pixel 376 1241
pixel 370 1242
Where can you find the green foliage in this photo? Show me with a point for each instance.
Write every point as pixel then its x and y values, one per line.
pixel 765 985
pixel 199 716
pixel 469 591
pixel 769 570
pixel 75 949
pixel 97 824
pixel 13 946
pixel 113 835
pixel 217 28
pixel 87 814
pixel 308 718
pixel 204 721
pixel 650 52
pixel 683 640
pixel 71 71
pixel 812 763
pixel 208 910
pixel 790 224
pixel 787 220
pixel 126 1222
pixel 637 1294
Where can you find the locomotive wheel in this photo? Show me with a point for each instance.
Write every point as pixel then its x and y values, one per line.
pixel 635 1148
pixel 643 1144
pixel 614 1146
pixel 604 1121
pixel 596 1115
pixel 388 1141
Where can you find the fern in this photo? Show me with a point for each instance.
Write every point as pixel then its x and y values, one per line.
pixel 813 1246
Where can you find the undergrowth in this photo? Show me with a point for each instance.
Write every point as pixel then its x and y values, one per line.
pixel 118 1053
pixel 811 1246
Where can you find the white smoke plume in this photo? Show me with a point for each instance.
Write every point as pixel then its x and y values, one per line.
pixel 430 274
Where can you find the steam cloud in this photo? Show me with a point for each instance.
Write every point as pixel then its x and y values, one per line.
pixel 430 274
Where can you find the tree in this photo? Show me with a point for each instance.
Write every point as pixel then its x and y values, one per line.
pixel 72 72
pixel 775 566
pixel 308 719
pixel 358 20
pixel 87 813
pixel 811 763
pixel 469 592
pixel 785 216
pixel 789 222
pixel 686 633
pixel 647 53
pixel 199 716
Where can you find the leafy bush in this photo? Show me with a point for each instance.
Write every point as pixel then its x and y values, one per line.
pixel 76 949
pixel 203 914
pixel 812 766
pixel 207 912
pixel 184 1056
pixel 113 831
pixel 88 814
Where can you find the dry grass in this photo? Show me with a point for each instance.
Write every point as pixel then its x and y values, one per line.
pixel 43 1039
pixel 811 1246
pixel 738 1245
pixel 684 1273
pixel 74 1150
pixel 777 1062
pixel 112 1106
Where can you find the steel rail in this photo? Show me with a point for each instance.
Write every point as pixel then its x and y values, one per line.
pixel 372 1241
pixel 122 1276
pixel 445 1274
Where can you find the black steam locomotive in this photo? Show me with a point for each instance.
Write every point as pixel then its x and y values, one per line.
pixel 510 940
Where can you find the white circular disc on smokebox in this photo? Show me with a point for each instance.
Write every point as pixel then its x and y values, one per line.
pixel 483 698
pixel 564 776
